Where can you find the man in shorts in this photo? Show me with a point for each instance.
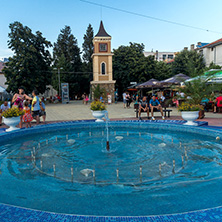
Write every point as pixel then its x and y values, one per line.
pixel 124 100
pixel 155 105
pixel 42 112
pixel 143 106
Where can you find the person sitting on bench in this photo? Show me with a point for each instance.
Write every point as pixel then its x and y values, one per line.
pixel 143 106
pixel 154 106
pixel 218 103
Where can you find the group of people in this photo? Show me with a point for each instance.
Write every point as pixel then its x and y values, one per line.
pixel 109 99
pixel 85 98
pixel 127 100
pixel 152 105
pixel 33 107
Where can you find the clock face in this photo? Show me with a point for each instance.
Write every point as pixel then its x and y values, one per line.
pixel 103 47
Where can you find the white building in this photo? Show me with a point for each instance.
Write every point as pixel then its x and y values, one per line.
pixel 212 52
pixel 161 56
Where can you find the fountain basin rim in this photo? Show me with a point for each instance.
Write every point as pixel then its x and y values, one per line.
pixel 175 125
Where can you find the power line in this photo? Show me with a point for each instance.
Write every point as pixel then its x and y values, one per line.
pixel 149 17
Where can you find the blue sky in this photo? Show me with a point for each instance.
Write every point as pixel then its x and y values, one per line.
pixel 50 16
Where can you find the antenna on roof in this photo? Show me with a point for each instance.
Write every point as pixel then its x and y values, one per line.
pixel 101 13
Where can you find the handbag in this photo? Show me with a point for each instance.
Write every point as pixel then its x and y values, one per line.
pixel 41 107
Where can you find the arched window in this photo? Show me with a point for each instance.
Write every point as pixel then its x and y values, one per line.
pixel 103 68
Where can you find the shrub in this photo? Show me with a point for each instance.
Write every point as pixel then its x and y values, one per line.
pixel 98 106
pixel 12 112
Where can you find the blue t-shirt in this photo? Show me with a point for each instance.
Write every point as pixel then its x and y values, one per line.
pixel 154 103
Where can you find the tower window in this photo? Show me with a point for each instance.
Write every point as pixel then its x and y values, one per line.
pixel 103 47
pixel 103 68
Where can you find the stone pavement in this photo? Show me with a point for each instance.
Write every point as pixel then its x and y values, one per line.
pixel 75 110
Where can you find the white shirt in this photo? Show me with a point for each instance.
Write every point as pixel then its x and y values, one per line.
pixel 124 95
pixel 3 107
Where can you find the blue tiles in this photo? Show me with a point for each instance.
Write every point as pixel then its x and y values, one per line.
pixel 17 214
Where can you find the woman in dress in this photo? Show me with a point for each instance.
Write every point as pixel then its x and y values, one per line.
pixel 18 100
pixel 27 118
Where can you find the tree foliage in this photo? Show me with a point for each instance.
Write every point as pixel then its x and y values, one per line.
pixel 213 66
pixel 163 70
pixel 66 54
pixel 87 47
pixel 198 89
pixel 130 65
pixel 98 91
pixel 30 65
pixel 190 63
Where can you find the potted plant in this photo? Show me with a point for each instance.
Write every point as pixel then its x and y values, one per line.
pixel 98 110
pixel 11 117
pixel 190 113
pixel 194 92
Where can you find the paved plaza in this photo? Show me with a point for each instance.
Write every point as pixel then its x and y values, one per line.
pixel 76 110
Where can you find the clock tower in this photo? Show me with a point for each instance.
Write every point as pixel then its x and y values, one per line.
pixel 102 62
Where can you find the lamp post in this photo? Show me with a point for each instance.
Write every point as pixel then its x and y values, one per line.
pixel 58 76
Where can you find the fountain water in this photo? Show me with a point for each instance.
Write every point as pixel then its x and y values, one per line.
pixel 107 131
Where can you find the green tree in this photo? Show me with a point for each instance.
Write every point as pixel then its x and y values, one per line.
pixel 198 89
pixel 87 47
pixel 213 66
pixel 163 70
pixel 98 91
pixel 30 65
pixel 130 65
pixel 66 54
pixel 190 63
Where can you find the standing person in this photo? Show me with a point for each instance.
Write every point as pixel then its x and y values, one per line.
pixel 124 100
pixel 18 99
pixel 101 99
pixel 83 98
pixel 35 106
pixel 27 118
pixel 86 99
pixel 155 105
pixel 4 107
pixel 42 112
pixel 127 100
pixel 109 99
pixel 116 96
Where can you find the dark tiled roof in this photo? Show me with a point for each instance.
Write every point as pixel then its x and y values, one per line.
pixel 102 32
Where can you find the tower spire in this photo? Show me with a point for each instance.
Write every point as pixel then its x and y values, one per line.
pixel 102 32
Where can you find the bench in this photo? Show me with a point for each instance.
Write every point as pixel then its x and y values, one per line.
pixel 165 111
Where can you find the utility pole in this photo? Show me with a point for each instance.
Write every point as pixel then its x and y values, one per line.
pixel 59 78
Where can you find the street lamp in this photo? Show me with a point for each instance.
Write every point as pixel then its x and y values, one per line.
pixel 58 77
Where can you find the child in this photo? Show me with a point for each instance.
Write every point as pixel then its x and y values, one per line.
pixel 27 118
pixel 86 99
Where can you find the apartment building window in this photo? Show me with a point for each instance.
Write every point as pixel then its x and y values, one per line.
pixel 164 57
pixel 170 56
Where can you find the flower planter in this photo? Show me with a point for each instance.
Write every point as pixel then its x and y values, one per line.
pixel 99 115
pixel 190 116
pixel 12 122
